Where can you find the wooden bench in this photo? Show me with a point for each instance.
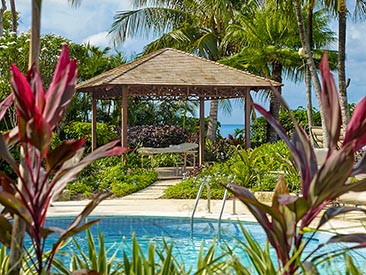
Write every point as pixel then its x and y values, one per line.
pixel 184 149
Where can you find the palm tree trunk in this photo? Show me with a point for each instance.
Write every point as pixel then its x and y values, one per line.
pixel 35 33
pixel 18 232
pixel 212 121
pixel 342 23
pixel 310 63
pixel 274 104
pixel 308 74
pixel 309 102
pixel 14 16
pixel 2 11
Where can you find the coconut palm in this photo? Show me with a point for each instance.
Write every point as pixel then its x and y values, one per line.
pixel 269 46
pixel 193 26
pixel 339 9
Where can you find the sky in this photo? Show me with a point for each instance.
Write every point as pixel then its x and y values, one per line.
pixel 91 21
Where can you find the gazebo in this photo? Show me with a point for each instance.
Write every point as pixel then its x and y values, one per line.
pixel 170 73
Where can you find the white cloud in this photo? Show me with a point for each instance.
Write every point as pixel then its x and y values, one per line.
pixel 99 39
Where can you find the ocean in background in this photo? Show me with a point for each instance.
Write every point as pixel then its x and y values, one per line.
pixel 226 129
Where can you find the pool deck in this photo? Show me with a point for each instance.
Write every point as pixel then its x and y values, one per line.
pixel 140 204
pixel 350 223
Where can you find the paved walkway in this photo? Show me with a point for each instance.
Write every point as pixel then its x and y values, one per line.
pixel 154 191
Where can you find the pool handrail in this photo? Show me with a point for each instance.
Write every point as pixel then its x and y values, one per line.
pixel 198 198
pixel 223 206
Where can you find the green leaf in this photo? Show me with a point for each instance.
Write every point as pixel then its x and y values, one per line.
pixel 5 229
pixel 5 154
pixel 15 206
pixel 349 238
pixel 335 211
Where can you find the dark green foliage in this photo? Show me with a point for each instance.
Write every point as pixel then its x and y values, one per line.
pixel 156 136
pixel 222 149
pixel 123 183
pixel 76 130
pixel 110 174
pixel 215 175
pixel 257 169
pixel 188 189
pixel 88 180
pixel 259 125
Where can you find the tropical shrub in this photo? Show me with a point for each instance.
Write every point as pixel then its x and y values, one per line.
pixel 255 168
pixel 287 221
pixel 77 130
pixel 97 257
pixel 221 149
pixel 42 172
pixel 153 261
pixel 259 125
pixel 258 168
pixel 188 188
pixel 122 182
pixel 155 136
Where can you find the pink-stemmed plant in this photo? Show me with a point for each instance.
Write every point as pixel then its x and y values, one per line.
pixel 289 217
pixel 43 172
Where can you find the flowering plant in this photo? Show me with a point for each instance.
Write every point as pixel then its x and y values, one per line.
pixel 42 172
pixel 289 217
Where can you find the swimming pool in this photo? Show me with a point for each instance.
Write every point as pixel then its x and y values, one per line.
pixel 187 244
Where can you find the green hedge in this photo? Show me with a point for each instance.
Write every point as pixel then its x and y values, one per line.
pixel 257 169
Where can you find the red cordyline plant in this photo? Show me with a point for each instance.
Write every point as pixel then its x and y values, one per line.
pixel 289 217
pixel 44 172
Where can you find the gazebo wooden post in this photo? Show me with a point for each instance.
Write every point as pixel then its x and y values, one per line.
pixel 124 116
pixel 202 132
pixel 247 119
pixel 94 122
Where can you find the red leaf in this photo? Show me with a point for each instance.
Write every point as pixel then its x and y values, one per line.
pixel 23 94
pixel 356 129
pixel 37 87
pixel 39 133
pixel 330 103
pixel 69 171
pixel 61 89
pixel 5 104
pixel 6 183
pixel 66 150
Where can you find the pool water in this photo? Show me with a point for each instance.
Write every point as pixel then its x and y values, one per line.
pixel 187 243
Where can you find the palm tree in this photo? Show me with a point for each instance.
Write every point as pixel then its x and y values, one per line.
pixel 14 16
pixel 339 9
pixel 2 11
pixel 193 26
pixel 269 46
pixel 310 62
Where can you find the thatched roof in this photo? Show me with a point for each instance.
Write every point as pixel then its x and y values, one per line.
pixel 173 73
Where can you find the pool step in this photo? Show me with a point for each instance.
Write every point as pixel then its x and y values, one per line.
pixel 154 191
